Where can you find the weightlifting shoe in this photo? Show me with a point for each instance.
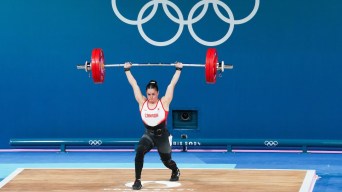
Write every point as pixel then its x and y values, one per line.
pixel 137 185
pixel 175 175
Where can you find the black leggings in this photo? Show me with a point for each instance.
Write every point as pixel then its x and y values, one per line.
pixel 146 143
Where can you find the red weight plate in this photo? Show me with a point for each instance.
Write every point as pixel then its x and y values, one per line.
pixel 97 65
pixel 211 65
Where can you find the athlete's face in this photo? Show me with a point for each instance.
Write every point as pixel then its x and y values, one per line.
pixel 152 95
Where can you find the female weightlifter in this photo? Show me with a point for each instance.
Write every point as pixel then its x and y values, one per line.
pixel 154 113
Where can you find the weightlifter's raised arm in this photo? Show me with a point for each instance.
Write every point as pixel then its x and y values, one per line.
pixel 170 88
pixel 136 89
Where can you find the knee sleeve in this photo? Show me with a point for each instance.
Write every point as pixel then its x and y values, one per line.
pixel 167 161
pixel 165 157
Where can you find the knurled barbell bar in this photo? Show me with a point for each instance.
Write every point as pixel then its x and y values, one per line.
pixel 97 65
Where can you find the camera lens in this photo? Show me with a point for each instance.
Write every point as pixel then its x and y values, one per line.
pixel 185 116
pixel 184 136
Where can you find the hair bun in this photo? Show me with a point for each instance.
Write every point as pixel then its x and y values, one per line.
pixel 153 81
pixel 152 84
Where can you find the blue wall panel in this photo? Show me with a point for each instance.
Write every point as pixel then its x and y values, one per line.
pixel 286 80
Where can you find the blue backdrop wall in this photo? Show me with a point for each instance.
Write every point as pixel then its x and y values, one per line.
pixel 286 81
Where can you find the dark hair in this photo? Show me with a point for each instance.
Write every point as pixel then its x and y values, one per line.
pixel 152 85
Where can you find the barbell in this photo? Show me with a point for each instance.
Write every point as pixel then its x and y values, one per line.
pixel 97 65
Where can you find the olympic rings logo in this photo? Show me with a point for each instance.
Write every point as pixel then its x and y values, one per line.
pixel 271 143
pixel 189 22
pixel 95 142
